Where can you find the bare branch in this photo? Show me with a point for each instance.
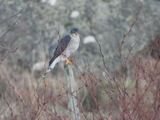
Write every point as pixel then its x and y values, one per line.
pixel 11 25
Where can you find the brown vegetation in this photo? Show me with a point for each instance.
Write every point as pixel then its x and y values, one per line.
pixel 101 95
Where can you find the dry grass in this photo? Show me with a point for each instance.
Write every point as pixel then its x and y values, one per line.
pixel 101 96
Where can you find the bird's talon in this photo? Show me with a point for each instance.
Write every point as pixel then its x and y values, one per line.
pixel 69 62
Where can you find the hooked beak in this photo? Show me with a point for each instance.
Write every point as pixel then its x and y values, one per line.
pixel 76 33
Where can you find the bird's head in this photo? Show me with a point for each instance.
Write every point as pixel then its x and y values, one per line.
pixel 74 32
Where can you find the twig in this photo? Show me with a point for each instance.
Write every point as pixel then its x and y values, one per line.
pixel 5 48
pixel 11 17
pixel 58 31
pixel 11 25
pixel 9 51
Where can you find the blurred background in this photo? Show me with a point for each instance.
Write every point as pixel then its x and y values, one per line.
pixel 125 84
pixel 42 22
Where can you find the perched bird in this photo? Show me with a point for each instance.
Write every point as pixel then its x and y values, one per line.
pixel 66 47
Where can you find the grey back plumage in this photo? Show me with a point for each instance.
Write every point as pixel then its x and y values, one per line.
pixel 62 45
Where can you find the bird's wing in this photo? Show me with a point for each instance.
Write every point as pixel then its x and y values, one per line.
pixel 62 45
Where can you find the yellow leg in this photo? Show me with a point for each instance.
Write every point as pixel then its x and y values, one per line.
pixel 68 61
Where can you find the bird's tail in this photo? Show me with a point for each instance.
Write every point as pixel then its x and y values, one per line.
pixel 50 67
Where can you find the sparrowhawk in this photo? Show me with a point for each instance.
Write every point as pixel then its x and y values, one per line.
pixel 66 47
